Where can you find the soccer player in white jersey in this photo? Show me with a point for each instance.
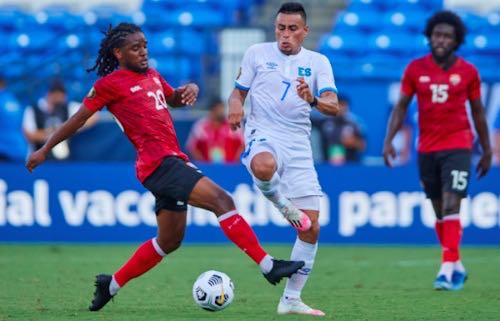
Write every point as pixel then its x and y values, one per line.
pixel 285 81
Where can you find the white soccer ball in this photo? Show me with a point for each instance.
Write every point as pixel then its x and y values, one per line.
pixel 213 291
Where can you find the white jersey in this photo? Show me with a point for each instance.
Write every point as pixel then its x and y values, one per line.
pixel 271 78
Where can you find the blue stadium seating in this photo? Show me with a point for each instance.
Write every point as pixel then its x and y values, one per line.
pixel 375 38
pixel 179 33
pixel 412 21
pixel 353 43
pixel 196 16
pixel 368 20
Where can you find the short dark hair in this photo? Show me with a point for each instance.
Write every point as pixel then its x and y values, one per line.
pixel 57 86
pixel 293 8
pixel 214 102
pixel 448 17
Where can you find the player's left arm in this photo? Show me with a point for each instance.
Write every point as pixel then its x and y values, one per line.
pixel 327 103
pixel 481 127
pixel 183 96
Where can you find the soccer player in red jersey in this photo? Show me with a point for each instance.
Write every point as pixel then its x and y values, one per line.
pixel 211 138
pixel 443 83
pixel 138 97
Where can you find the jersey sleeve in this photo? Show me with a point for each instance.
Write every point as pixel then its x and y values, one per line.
pixel 167 89
pixel 100 95
pixel 407 82
pixel 325 79
pixel 247 70
pixel 474 90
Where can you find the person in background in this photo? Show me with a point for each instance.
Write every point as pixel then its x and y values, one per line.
pixel 211 138
pixel 13 146
pixel 443 82
pixel 49 112
pixel 342 138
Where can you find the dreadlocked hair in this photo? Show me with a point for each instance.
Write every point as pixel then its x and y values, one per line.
pixel 106 62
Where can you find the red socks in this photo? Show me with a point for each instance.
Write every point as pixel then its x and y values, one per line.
pixel 240 233
pixel 451 236
pixel 438 226
pixel 143 260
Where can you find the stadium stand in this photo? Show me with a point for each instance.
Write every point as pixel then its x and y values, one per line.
pixel 378 36
pixel 67 34
pixel 368 41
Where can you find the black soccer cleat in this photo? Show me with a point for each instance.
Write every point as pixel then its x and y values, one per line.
pixel 101 293
pixel 282 269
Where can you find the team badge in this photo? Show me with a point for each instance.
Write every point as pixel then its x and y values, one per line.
pixel 455 79
pixel 424 79
pixel 157 81
pixel 91 93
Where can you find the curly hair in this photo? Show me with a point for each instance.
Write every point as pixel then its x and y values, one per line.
pixel 106 61
pixel 448 17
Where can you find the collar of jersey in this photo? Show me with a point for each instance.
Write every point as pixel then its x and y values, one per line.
pixel 291 57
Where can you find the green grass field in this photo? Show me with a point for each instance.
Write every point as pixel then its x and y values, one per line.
pixel 39 282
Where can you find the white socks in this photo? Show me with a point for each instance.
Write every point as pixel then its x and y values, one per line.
pixel 266 264
pixel 113 286
pixel 459 267
pixel 446 270
pixel 302 251
pixel 270 189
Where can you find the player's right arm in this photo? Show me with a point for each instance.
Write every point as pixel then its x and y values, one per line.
pixel 67 129
pixel 394 124
pixel 235 107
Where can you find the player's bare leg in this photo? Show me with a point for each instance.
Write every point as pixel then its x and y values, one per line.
pixel 263 166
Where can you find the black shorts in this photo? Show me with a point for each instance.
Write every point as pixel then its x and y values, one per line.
pixel 172 182
pixel 445 171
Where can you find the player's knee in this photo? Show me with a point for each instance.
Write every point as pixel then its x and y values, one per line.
pixel 452 207
pixel 223 202
pixel 314 231
pixel 263 167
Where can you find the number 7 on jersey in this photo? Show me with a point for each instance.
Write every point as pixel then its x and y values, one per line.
pixel 287 84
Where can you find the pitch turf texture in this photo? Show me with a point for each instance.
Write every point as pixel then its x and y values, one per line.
pixel 43 282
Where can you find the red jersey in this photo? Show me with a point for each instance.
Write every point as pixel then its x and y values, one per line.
pixel 216 143
pixel 138 103
pixel 442 96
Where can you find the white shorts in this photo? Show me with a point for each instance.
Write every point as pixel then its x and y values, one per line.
pixel 307 202
pixel 294 160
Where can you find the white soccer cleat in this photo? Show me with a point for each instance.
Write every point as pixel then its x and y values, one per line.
pixel 298 219
pixel 296 306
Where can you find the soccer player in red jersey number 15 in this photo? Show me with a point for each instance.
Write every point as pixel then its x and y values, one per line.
pixel 443 83
pixel 138 96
